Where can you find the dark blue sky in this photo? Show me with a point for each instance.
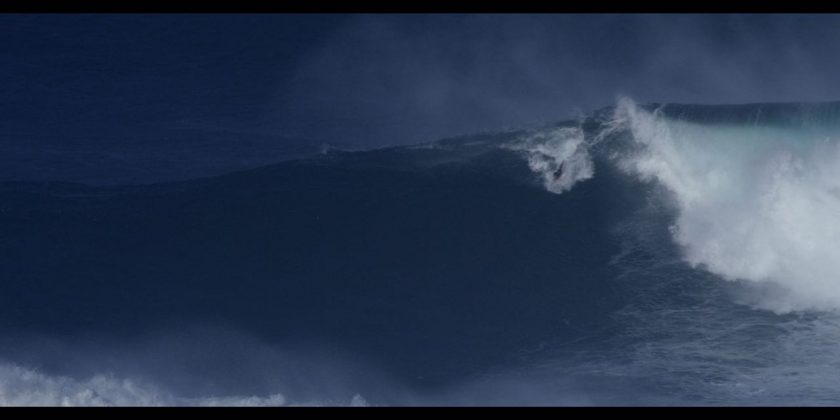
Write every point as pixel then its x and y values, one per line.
pixel 132 98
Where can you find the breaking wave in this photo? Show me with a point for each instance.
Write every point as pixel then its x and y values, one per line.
pixel 643 254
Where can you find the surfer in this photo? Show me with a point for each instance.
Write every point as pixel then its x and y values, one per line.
pixel 559 172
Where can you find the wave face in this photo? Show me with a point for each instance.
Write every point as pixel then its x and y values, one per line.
pixel 644 254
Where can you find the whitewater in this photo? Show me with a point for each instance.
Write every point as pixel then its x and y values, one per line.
pixel 642 254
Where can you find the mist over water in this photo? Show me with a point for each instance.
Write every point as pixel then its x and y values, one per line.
pixel 174 97
pixel 395 79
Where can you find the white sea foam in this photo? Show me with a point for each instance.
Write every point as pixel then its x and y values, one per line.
pixel 20 386
pixel 755 203
pixel 25 387
pixel 559 156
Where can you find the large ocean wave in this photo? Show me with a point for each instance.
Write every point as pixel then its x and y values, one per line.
pixel 642 254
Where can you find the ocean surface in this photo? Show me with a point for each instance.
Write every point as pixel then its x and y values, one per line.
pixel 643 254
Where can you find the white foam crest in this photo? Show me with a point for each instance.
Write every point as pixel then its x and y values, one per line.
pixel 559 155
pixel 756 203
pixel 24 387
pixel 20 386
